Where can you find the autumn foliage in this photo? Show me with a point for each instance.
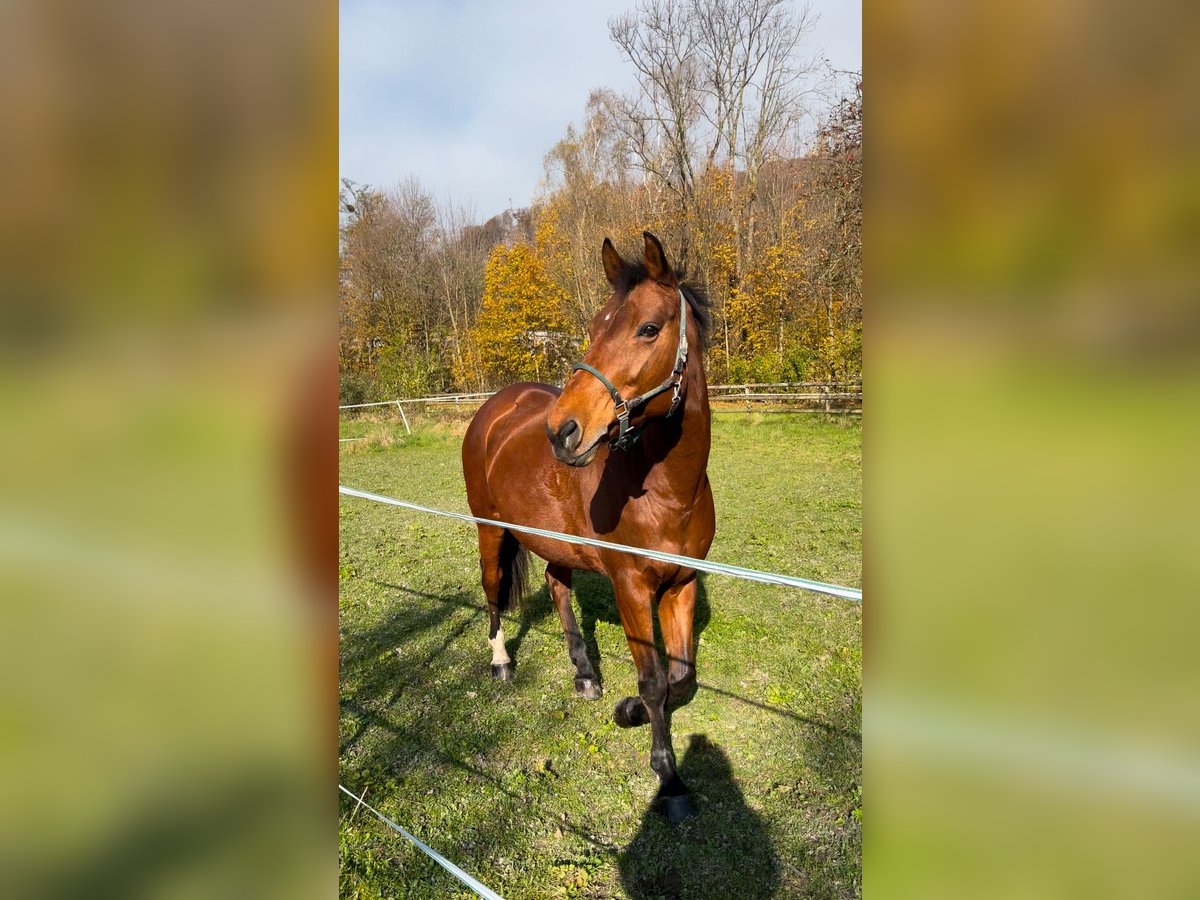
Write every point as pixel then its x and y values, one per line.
pixel 521 332
pixel 771 229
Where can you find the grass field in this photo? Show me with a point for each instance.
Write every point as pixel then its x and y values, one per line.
pixel 535 791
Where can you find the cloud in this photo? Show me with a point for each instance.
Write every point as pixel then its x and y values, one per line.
pixel 469 96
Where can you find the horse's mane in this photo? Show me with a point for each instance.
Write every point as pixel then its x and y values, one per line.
pixel 634 273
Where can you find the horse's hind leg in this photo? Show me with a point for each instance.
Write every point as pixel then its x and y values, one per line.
pixel 558 580
pixel 491 550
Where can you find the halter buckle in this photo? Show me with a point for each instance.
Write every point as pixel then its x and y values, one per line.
pixel 675 398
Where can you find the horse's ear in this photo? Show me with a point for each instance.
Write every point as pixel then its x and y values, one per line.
pixel 656 261
pixel 613 264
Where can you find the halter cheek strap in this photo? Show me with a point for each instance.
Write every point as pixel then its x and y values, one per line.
pixel 625 409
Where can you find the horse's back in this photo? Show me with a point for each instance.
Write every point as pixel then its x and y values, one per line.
pixel 524 398
pixel 518 408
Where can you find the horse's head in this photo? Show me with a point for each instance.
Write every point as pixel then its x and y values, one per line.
pixel 633 368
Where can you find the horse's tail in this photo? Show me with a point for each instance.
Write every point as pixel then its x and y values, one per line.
pixel 514 573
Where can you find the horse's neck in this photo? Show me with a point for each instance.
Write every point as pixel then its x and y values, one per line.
pixel 683 470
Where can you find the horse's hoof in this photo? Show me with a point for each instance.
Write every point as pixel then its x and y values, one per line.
pixel 503 673
pixel 678 808
pixel 589 688
pixel 630 712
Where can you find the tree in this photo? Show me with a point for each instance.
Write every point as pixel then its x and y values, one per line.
pixel 834 203
pixel 707 150
pixel 460 254
pixel 521 334
pixel 409 288
pixel 659 120
pixel 589 196
pixel 719 84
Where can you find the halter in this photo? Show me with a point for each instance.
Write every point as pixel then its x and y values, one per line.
pixel 624 409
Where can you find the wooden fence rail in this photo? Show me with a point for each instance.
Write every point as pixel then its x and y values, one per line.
pixel 832 397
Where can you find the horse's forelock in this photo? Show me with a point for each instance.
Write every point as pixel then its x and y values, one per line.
pixel 634 273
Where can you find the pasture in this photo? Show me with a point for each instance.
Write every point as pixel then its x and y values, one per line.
pixel 534 790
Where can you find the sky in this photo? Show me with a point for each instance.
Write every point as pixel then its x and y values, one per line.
pixel 468 95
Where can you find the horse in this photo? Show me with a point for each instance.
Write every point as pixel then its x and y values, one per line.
pixel 619 453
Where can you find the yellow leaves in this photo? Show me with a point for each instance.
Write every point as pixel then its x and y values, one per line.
pixel 546 234
pixel 555 251
pixel 839 353
pixel 520 332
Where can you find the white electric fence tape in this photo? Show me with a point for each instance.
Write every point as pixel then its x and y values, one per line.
pixel 481 889
pixel 700 565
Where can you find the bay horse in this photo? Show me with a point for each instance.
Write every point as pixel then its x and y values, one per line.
pixel 619 453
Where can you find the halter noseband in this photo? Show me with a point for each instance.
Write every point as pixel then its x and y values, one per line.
pixel 624 409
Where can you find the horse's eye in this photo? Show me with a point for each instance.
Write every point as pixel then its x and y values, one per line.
pixel 649 330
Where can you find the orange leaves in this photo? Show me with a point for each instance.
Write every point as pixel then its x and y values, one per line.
pixel 520 333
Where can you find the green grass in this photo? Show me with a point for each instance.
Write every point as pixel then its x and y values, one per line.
pixel 535 791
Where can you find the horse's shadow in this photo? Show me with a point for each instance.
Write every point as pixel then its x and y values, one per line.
pixel 724 851
pixel 592 596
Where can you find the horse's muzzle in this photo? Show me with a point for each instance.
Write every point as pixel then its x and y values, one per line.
pixel 565 444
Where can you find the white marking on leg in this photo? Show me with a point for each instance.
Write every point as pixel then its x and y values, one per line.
pixel 499 654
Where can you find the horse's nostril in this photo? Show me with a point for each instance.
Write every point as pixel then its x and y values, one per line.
pixel 569 434
pixel 566 437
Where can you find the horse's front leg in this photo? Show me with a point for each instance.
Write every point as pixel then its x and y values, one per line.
pixel 634 601
pixel 676 612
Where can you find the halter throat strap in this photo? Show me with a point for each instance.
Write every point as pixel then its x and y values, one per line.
pixel 625 409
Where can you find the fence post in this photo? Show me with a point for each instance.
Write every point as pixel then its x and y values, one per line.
pixel 403 417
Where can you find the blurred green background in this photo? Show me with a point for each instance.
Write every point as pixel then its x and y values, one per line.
pixel 168 273
pixel 1031 565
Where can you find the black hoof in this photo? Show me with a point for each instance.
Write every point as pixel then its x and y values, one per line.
pixel 589 688
pixel 678 808
pixel 503 673
pixel 630 712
